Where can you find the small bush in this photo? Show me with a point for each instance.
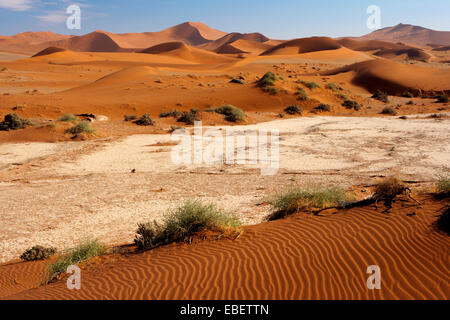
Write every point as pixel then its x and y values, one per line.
pixel 68 117
pixel 301 94
pixel 407 94
pixel 442 99
pixel 410 102
pixel 81 127
pixel 129 117
pixel 334 87
pixel 380 95
pixel 322 108
pixel 309 85
pixel 182 223
pixel 296 200
pixel 231 113
pixel 443 185
pixel 389 189
pixel 189 117
pixel 174 114
pixel 84 251
pixel 13 121
pixel 293 110
pixel 37 253
pixel 388 111
pixel 268 80
pixel 272 90
pixel 351 104
pixel 145 120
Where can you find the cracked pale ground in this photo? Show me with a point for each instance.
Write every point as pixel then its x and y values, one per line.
pixel 58 194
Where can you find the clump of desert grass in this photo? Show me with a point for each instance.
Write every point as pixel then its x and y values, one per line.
pixel 128 118
pixel 13 121
pixel 310 85
pixel 381 96
pixel 145 120
pixel 301 94
pixel 389 111
pixel 81 127
pixel 334 87
pixel 305 199
pixel 189 117
pixel 174 114
pixel 181 224
pixel 351 104
pixel 38 253
pixel 267 83
pixel 68 117
pixel 443 185
pixel 293 110
pixel 231 113
pixel 86 250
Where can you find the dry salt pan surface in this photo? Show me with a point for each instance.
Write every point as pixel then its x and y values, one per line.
pixel 58 194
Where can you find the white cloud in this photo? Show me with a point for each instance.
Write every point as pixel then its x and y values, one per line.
pixel 53 17
pixel 16 5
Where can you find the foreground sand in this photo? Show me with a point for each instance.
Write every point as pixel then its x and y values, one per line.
pixel 57 194
pixel 302 257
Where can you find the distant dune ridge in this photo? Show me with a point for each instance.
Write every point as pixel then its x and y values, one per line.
pixel 410 34
pixel 304 45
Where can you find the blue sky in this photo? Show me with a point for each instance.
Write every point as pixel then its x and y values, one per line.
pixel 282 19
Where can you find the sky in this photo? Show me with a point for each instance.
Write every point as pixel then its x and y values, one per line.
pixel 277 19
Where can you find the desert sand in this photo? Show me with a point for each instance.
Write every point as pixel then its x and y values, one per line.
pixel 57 189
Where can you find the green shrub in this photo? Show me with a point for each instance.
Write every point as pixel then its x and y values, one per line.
pixel 189 117
pixel 68 117
pixel 443 185
pixel 174 114
pixel 37 253
pixel 268 80
pixel 184 222
pixel 84 251
pixel 322 108
pixel 145 120
pixel 296 200
pixel 389 111
pixel 380 95
pixel 231 113
pixel 310 85
pixel 81 127
pixel 351 104
pixel 388 189
pixel 13 121
pixel 301 94
pixel 334 87
pixel 293 110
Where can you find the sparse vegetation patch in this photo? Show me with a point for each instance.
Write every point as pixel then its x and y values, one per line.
pixel 13 121
pixel 81 127
pixel 184 222
pixel 292 110
pixel 231 113
pixel 38 253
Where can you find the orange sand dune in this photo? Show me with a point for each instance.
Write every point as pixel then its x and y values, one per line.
pixel 49 50
pixel 29 42
pixel 183 51
pixel 395 78
pixel 192 33
pixel 243 46
pixel 232 37
pixel 127 75
pixel 303 45
pixel 92 42
pixel 301 257
pixel 386 49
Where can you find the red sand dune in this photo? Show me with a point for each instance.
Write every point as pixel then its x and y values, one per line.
pixel 28 42
pixel 96 41
pixel 190 33
pixel 301 257
pixel 183 51
pixel 385 49
pixel 303 45
pixel 232 37
pixel 395 78
pixel 47 51
pixel 410 34
pixel 243 46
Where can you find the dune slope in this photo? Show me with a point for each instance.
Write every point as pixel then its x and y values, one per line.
pixel 303 45
pixel 302 257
